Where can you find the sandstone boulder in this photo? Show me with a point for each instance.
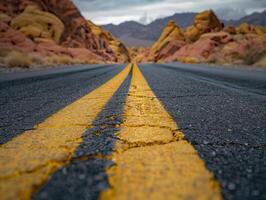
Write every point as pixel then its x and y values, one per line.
pixel 204 22
pixel 197 51
pixel 231 30
pixel 35 23
pixel 246 28
pixel 61 21
pixel 244 50
pixel 220 37
pixel 169 49
pixel 46 47
pixel 84 54
pixel 140 55
pixel 260 30
pixel 5 18
pixel 171 39
pixel 119 49
pixel 223 48
pixel 261 62
pixel 12 39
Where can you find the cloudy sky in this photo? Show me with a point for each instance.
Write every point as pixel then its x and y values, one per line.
pixel 145 11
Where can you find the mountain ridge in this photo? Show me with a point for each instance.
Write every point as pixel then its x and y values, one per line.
pixel 131 30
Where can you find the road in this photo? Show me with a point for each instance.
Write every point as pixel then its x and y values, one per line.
pixel 133 132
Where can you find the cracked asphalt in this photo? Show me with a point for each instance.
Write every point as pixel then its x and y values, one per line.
pixel 84 177
pixel 27 100
pixel 221 112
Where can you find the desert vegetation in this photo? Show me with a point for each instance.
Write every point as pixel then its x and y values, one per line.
pixel 16 59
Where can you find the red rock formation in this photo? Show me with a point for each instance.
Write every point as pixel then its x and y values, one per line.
pixel 198 51
pixel 223 48
pixel 83 54
pixel 206 42
pixel 171 39
pixel 169 49
pixel 119 49
pixel 139 54
pixel 50 48
pixel 76 34
pixel 230 30
pixel 10 38
pixel 204 22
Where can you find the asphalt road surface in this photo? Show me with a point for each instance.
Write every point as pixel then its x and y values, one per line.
pixel 220 111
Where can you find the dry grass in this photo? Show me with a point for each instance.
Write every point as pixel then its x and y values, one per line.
pixel 55 60
pixel 253 58
pixel 2 60
pixel 36 59
pixel 261 62
pixel 12 58
pixel 4 52
pixel 190 60
pixel 66 60
pixel 78 61
pixel 17 59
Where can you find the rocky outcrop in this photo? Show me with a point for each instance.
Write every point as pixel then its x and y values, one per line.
pixel 35 23
pixel 139 54
pixel 76 34
pixel 119 49
pixel 206 41
pixel 261 61
pixel 223 48
pixel 83 54
pixel 50 27
pixel 202 48
pixel 5 18
pixel 12 39
pixel 231 30
pixel 260 30
pixel 15 40
pixel 204 22
pixel 171 39
pixel 245 49
pixel 246 28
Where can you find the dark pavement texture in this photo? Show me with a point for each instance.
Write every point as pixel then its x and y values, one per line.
pixel 222 113
pixel 28 101
pixel 84 177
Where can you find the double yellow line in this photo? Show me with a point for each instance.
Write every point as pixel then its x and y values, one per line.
pixel 152 159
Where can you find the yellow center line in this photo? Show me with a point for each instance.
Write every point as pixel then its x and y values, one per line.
pixel 28 159
pixel 152 161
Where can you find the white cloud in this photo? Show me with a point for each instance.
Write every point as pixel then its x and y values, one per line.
pixel 144 11
pixel 230 13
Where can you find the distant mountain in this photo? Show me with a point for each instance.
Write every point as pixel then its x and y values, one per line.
pixel 255 19
pixel 155 28
pixel 146 34
pixel 125 28
pixel 131 31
